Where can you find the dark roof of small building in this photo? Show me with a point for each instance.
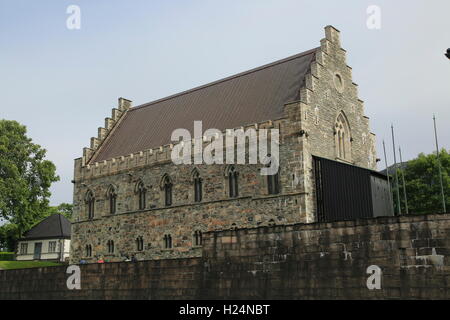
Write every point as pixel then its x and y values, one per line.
pixel 250 97
pixel 400 166
pixel 55 226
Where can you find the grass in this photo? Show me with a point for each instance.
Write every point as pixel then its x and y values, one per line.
pixel 9 265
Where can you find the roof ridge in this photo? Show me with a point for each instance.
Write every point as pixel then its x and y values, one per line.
pixel 39 222
pixel 60 224
pixel 296 56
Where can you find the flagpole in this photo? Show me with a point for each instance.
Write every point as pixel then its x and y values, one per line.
pixel 399 209
pixel 439 164
pixel 388 178
pixel 403 180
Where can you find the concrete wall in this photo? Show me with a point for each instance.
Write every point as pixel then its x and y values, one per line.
pixel 314 261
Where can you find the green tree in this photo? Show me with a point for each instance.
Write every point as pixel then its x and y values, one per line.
pixel 25 177
pixel 9 234
pixel 422 182
pixel 65 209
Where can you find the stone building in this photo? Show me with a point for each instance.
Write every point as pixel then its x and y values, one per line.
pixel 130 199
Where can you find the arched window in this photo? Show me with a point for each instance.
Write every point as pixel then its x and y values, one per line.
pixel 112 197
pixel 90 204
pixel 167 241
pixel 139 244
pixel 273 181
pixel 167 187
pixel 198 238
pixel 233 182
pixel 110 246
pixel 342 138
pixel 316 116
pixel 142 195
pixel 88 251
pixel 198 192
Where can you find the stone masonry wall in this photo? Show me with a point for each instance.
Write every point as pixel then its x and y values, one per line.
pixel 158 279
pixel 216 211
pixel 301 261
pixel 330 260
pixel 321 101
pixel 329 91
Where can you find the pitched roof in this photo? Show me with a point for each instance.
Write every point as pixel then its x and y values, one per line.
pixel 55 226
pixel 250 97
pixel 401 166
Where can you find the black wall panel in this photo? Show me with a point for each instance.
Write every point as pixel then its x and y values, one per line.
pixel 344 192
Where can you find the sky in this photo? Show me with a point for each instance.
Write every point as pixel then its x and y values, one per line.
pixel 61 83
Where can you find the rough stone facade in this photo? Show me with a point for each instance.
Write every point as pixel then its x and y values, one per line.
pixel 308 128
pixel 301 261
pixel 331 260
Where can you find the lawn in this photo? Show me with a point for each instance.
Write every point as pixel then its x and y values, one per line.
pixel 9 265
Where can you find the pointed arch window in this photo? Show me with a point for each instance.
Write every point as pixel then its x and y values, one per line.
pixel 273 182
pixel 88 251
pixel 198 192
pixel 142 195
pixel 198 238
pixel 233 183
pixel 342 137
pixel 167 241
pixel 90 204
pixel 112 197
pixel 316 116
pixel 110 245
pixel 140 244
pixel 167 187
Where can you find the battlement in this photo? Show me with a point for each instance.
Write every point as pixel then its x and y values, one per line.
pixel 149 157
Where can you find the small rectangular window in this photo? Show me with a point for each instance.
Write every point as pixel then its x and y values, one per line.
pixel 23 248
pixel 52 247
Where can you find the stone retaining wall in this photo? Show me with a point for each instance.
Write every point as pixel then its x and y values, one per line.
pixel 316 261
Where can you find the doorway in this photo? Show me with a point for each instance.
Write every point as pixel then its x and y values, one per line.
pixel 37 251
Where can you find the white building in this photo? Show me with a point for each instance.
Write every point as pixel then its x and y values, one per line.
pixel 49 240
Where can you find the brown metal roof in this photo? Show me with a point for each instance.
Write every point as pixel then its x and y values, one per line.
pixel 250 97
